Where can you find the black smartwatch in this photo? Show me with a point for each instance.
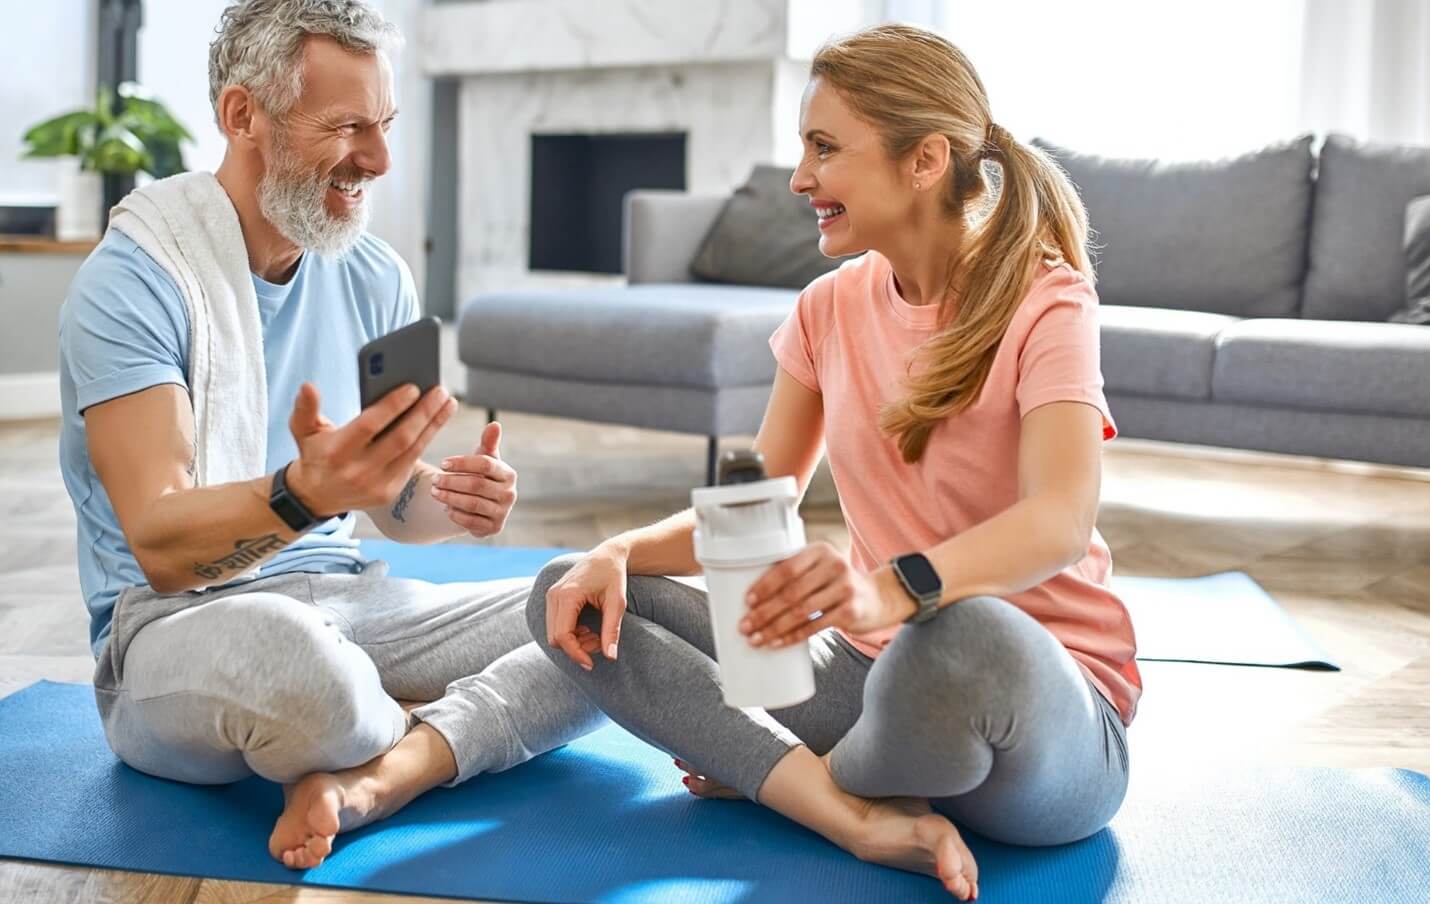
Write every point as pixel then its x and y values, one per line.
pixel 284 504
pixel 916 573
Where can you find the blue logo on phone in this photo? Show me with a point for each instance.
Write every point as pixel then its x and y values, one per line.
pixel 374 364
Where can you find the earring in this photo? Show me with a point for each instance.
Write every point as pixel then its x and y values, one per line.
pixel 916 186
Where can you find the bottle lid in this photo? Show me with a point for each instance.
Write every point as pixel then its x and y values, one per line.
pixel 740 466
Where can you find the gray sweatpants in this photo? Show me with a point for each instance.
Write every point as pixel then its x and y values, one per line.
pixel 981 710
pixel 301 673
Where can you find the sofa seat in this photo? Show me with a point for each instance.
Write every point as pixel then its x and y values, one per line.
pixel 703 336
pixel 1324 365
pixel 1159 351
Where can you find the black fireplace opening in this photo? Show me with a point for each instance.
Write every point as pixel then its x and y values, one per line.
pixel 578 184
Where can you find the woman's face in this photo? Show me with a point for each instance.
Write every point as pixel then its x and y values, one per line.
pixel 861 196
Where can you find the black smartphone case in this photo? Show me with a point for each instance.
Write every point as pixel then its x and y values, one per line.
pixel 411 354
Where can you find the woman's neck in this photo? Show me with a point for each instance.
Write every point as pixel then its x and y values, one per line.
pixel 920 257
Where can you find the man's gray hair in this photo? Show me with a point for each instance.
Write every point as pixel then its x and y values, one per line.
pixel 260 44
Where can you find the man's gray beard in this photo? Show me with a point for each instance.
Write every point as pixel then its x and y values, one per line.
pixel 294 200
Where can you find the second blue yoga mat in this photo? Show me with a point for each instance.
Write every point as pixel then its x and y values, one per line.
pixel 1223 618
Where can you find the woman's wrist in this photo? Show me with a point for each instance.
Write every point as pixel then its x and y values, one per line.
pixel 900 605
pixel 616 549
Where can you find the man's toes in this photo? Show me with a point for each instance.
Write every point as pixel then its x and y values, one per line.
pixel 319 846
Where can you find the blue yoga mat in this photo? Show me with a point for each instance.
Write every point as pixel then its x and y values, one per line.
pixel 606 819
pixel 1224 618
pixel 450 563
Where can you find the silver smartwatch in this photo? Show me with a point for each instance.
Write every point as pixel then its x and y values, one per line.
pixel 919 579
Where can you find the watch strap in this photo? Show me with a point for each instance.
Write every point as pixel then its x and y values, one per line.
pixel 286 506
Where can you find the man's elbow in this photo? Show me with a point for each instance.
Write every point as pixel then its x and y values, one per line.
pixel 161 574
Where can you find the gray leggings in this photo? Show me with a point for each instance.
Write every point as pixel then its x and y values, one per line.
pixel 981 710
pixel 298 673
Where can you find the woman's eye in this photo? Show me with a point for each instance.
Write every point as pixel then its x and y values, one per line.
pixel 822 148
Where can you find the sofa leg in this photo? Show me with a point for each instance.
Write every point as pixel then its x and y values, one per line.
pixel 712 459
pixel 491 415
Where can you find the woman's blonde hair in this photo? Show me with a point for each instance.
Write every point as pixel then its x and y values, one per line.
pixel 909 83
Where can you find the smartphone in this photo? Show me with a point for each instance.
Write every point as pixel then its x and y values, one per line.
pixel 411 354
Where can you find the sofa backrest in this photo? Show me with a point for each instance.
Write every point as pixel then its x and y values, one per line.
pixel 1357 266
pixel 1221 236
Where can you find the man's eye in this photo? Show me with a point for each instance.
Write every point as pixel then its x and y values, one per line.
pixel 350 127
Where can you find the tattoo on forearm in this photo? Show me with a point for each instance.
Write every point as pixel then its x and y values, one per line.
pixel 193 466
pixel 399 508
pixel 245 554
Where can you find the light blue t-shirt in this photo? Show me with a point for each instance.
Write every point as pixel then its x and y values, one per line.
pixel 124 328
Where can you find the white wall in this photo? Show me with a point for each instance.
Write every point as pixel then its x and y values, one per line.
pixel 174 66
pixel 1131 78
pixel 46 68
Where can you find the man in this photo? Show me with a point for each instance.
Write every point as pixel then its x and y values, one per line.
pixel 208 672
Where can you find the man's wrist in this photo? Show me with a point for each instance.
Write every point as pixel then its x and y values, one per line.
pixel 298 488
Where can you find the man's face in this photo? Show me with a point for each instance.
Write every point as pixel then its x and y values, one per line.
pixel 330 144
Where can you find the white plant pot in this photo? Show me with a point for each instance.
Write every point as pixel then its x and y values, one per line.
pixel 80 191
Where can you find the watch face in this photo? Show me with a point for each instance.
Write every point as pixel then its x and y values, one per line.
pixel 919 573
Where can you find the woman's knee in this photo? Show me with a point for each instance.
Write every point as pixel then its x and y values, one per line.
pixel 971 635
pixel 552 572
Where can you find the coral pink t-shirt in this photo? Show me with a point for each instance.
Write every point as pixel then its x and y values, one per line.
pixel 850 338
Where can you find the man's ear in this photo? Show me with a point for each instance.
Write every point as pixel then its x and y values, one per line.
pixel 931 159
pixel 238 114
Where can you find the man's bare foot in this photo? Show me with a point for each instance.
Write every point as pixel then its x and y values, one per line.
pixel 316 809
pixel 323 804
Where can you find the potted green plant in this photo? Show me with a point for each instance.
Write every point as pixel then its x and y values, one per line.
pixel 123 134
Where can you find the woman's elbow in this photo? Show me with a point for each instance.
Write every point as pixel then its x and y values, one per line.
pixel 1075 538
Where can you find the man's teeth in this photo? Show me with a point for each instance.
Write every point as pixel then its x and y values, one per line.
pixel 350 189
pixel 825 213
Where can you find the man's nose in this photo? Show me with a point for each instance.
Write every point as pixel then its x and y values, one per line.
pixel 373 154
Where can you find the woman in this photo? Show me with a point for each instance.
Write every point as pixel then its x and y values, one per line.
pixel 971 662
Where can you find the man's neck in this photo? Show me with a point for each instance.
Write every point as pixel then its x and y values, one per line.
pixel 270 255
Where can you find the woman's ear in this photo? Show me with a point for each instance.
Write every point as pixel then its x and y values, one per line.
pixel 931 159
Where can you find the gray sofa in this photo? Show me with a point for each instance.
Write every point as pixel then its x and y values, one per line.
pixel 1243 305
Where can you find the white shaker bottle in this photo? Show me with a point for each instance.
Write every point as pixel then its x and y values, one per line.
pixel 743 526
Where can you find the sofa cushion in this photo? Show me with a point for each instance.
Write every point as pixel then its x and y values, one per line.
pixel 1417 263
pixel 1222 236
pixel 1157 352
pixel 765 236
pixel 675 335
pixel 1357 267
pixel 1322 365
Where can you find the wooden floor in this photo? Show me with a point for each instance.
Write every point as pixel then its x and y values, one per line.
pixel 1345 548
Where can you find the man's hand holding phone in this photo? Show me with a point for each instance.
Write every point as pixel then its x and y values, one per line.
pixel 478 490
pixel 367 461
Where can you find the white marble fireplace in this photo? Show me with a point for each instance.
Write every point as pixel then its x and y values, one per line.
pixel 728 74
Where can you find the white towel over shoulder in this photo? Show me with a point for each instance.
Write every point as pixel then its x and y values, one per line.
pixel 188 225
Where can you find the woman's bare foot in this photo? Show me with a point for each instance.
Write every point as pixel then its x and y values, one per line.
pixel 315 810
pixel 905 833
pixel 708 788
